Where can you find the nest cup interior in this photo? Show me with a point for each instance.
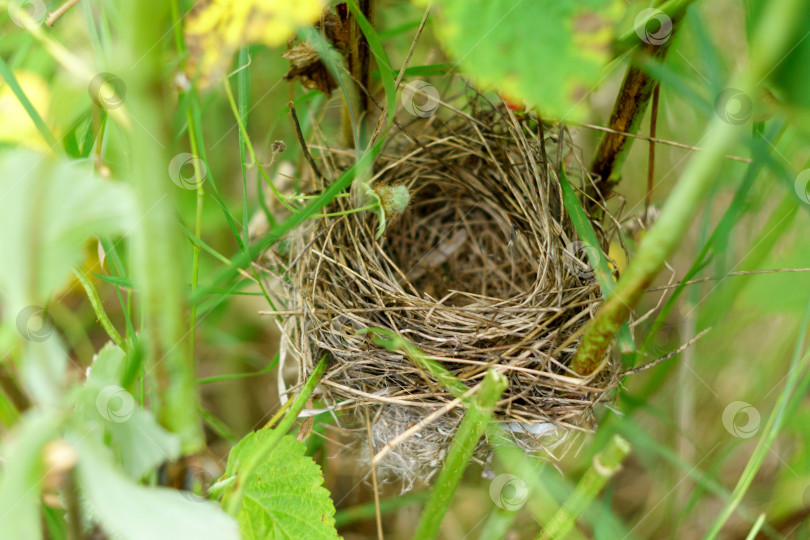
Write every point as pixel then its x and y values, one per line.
pixel 475 273
pixel 456 243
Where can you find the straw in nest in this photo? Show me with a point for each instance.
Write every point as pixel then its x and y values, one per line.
pixel 481 269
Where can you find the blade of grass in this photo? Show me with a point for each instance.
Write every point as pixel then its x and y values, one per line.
pixel 646 445
pixel 596 257
pixel 497 524
pixel 199 201
pixel 475 422
pixel 279 230
pixel 605 464
pixel 116 267
pixel 363 512
pixel 397 30
pixel 243 103
pixel 14 85
pixel 218 426
pixel 231 376
pixel 377 49
pixel 775 422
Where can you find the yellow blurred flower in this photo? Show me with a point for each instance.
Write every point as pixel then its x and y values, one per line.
pixel 216 29
pixel 15 124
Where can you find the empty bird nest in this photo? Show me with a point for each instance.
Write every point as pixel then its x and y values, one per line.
pixel 483 268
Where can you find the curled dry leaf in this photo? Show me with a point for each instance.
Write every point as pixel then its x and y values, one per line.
pixel 305 63
pixel 216 29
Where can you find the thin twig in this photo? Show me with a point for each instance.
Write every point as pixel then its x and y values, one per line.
pixel 303 143
pixel 666 142
pixel 651 157
pixel 61 10
pixel 665 357
pixel 374 480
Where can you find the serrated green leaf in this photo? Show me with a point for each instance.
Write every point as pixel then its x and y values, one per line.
pixel 284 498
pixel 546 52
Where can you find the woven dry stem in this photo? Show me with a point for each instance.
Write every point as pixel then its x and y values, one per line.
pixel 482 269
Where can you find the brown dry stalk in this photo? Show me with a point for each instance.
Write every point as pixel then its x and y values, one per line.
pixel 628 111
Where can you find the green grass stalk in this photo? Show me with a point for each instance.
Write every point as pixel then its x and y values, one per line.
pixel 605 464
pixel 461 449
pixel 664 237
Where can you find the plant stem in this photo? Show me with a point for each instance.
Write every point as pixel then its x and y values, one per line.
pixel 628 112
pixel 673 9
pixel 605 464
pixel 461 449
pixel 243 132
pixel 98 307
pixel 771 41
pixel 195 256
pixel 497 523
pixel 233 501
pixel 155 243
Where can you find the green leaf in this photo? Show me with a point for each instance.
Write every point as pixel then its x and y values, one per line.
pixel 284 497
pixel 789 78
pixel 43 370
pixel 140 443
pixel 546 52
pixel 22 471
pixel 48 209
pixel 127 510
pixel 596 257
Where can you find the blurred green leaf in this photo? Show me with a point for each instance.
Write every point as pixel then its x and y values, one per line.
pixel 548 53
pixel 20 482
pixel 137 439
pixel 790 78
pixel 129 511
pixel 284 497
pixel 43 369
pixel 48 209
